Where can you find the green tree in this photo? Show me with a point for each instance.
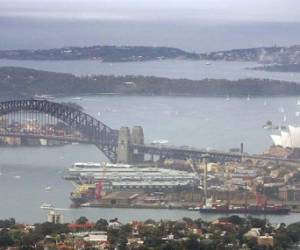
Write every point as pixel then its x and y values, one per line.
pixel 5 239
pixel 101 225
pixel 48 228
pixel 82 220
pixel 192 243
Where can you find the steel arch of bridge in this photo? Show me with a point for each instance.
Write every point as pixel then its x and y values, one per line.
pixel 93 130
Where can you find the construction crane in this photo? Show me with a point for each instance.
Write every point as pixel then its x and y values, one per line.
pixel 100 190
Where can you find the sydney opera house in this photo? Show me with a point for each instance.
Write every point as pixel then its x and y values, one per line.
pixel 288 139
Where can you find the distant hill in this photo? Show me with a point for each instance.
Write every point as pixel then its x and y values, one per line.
pixel 23 82
pixel 102 53
pixel 293 68
pixel 265 55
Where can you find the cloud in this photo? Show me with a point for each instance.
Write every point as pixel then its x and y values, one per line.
pixel 218 10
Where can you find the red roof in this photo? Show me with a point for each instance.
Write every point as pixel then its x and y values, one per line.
pixel 74 226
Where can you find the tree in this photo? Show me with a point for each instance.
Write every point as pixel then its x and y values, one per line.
pixel 5 239
pixel 8 223
pixel 256 222
pixel 101 225
pixel 293 231
pixel 192 243
pixel 48 228
pixel 82 220
pixel 171 245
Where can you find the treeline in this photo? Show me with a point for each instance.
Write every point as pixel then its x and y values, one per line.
pixel 22 82
pixel 186 234
pixel 293 68
pixel 103 53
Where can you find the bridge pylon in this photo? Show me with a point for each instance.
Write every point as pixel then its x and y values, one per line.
pixel 137 137
pixel 125 152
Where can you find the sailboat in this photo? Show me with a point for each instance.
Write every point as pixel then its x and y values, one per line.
pixel 284 118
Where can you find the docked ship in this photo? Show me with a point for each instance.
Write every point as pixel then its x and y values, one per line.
pixel 209 207
pixel 93 180
pixel 83 194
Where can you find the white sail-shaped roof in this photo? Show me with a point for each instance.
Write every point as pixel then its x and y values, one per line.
pixel 276 140
pixel 295 136
pixel 288 139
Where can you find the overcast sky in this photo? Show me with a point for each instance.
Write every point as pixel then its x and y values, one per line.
pixel 218 10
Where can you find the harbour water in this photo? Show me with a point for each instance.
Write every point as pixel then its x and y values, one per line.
pixel 195 70
pixel 200 122
pixel 214 123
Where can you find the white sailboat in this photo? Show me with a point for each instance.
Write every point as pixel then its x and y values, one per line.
pixel 284 118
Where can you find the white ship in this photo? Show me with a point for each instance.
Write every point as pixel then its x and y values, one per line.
pixel 130 176
pixel 46 206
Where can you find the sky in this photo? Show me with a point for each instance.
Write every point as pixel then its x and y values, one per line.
pixel 215 10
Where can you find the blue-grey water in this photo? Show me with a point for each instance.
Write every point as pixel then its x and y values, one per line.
pixel 195 70
pixel 213 123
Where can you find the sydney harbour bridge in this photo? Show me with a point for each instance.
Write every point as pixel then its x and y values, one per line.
pixel 43 119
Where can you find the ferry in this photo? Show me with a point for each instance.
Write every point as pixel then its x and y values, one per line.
pixel 46 206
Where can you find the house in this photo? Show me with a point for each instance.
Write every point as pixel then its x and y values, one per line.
pixel 253 233
pixel 114 224
pixel 266 240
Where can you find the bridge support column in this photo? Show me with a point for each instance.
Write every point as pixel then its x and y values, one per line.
pixel 125 153
pixel 137 137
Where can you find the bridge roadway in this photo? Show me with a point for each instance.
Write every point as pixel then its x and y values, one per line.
pixel 172 152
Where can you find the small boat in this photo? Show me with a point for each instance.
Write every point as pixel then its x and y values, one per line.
pixel 298 102
pixel 48 188
pixel 207 63
pixel 46 206
pixel 248 98
pixel 77 98
pixel 18 177
pixel 227 98
pixel 194 208
pixel 160 141
pixel 268 125
pixel 284 118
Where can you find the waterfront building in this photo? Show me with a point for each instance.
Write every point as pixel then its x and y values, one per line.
pixel 54 217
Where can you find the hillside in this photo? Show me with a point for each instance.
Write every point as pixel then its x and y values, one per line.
pixel 22 82
pixel 102 53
